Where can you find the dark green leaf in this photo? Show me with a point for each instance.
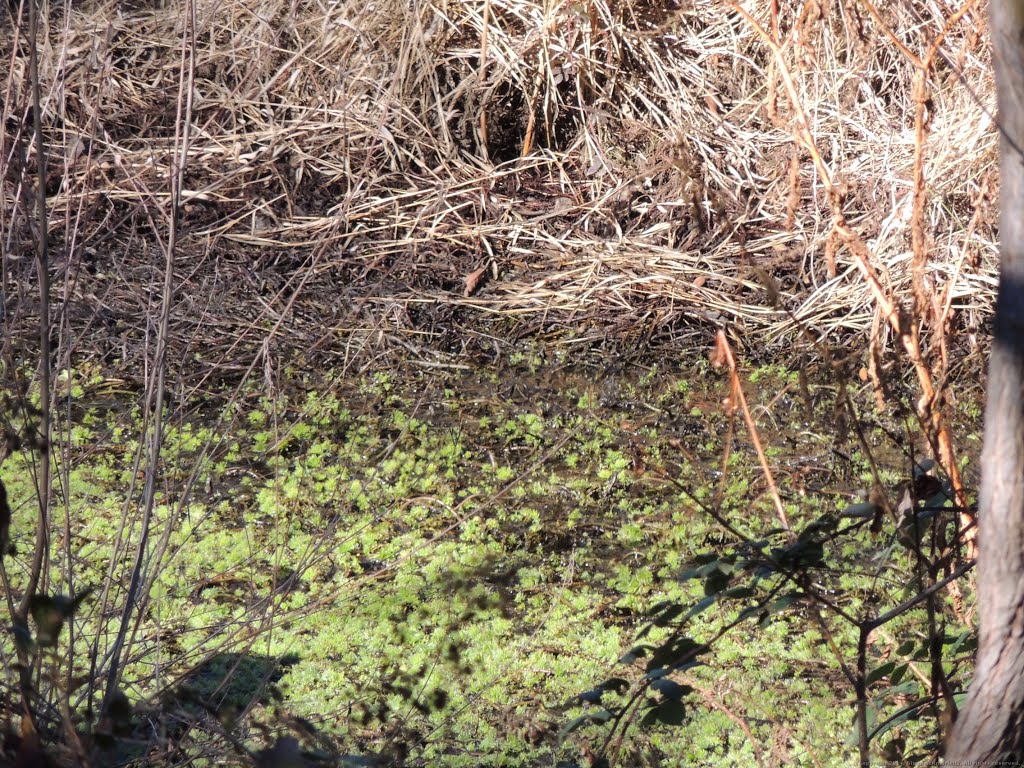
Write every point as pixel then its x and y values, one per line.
pixel 898 674
pixel 578 722
pixel 573 725
pixel 879 672
pixel 893 750
pixel 966 637
pixel 865 510
pixel 906 647
pixel 906 688
pixel 912 712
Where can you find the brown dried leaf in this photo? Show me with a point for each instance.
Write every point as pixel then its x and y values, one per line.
pixel 720 352
pixel 473 281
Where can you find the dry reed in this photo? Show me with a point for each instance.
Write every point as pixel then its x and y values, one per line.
pixel 617 166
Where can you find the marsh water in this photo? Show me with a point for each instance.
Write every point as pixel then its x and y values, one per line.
pixel 447 555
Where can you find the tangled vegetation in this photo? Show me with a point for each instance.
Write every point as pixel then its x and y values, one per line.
pixel 434 569
pixel 357 402
pixel 358 175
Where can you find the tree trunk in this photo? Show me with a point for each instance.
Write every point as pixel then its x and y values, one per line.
pixel 991 725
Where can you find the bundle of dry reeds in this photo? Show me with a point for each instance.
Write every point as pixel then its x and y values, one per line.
pixel 368 170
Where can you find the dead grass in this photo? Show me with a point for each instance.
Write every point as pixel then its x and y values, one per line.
pixel 618 167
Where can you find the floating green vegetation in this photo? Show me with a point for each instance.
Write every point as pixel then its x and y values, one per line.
pixel 444 561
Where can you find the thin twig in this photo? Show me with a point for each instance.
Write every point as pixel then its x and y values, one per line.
pixel 725 351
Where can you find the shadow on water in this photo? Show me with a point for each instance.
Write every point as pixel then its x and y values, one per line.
pixel 216 693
